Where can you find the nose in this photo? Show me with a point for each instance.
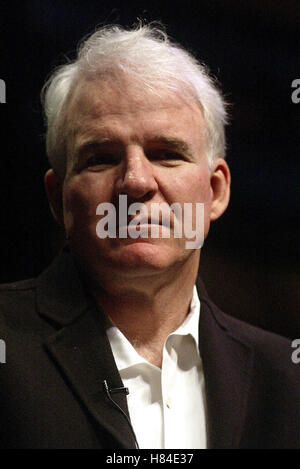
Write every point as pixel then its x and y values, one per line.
pixel 137 180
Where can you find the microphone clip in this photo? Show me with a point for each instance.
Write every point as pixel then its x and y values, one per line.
pixel 121 390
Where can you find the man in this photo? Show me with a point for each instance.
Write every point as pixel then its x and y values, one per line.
pixel 116 344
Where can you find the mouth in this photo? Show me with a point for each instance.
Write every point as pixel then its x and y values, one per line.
pixel 143 227
pixel 139 221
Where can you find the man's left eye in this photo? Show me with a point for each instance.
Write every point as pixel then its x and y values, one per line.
pixel 165 156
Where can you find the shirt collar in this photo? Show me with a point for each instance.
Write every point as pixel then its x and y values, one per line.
pixel 125 354
pixel 191 323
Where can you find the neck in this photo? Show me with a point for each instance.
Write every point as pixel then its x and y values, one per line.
pixel 147 309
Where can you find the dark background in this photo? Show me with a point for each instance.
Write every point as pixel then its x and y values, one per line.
pixel 249 262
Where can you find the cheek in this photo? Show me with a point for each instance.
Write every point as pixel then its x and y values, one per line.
pixel 80 200
pixel 191 184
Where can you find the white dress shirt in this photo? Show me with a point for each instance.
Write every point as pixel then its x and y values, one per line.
pixel 167 405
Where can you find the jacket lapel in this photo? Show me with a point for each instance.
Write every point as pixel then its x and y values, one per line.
pixel 227 364
pixel 82 352
pixel 80 348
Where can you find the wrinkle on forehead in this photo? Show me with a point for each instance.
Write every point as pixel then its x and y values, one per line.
pixel 97 105
pixel 128 95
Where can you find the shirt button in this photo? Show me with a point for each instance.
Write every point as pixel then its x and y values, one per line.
pixel 168 402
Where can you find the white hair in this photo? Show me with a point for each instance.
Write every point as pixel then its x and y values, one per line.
pixel 146 54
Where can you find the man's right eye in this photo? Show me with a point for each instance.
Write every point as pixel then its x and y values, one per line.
pixel 100 160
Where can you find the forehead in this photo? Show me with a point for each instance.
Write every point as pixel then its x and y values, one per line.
pixel 124 108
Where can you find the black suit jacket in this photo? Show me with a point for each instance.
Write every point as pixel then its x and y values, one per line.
pixel 58 355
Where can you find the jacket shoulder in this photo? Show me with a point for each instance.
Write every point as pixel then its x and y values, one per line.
pixel 17 303
pixel 21 285
pixel 270 349
pixel 13 293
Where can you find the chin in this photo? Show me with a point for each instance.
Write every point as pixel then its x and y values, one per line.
pixel 140 255
pixel 131 256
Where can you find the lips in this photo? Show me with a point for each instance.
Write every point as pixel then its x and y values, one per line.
pixel 145 220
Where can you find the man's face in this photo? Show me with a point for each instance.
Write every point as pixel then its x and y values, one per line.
pixel 121 140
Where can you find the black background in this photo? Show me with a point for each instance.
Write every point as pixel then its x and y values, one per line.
pixel 249 262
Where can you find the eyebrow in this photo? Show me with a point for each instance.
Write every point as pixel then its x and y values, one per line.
pixel 90 145
pixel 172 142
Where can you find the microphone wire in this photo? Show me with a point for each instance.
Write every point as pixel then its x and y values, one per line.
pixel 108 393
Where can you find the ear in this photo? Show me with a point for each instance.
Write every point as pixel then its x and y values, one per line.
pixel 220 186
pixel 54 186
